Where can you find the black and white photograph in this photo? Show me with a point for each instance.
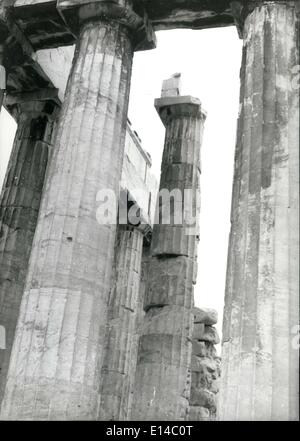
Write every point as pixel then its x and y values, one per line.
pixel 149 214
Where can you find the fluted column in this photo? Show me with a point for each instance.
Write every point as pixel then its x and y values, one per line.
pixel 261 317
pixel 162 383
pixel 120 352
pixel 2 76
pixel 58 350
pixel 19 207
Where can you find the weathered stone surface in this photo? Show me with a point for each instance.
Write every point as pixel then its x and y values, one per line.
pixel 119 363
pixel 184 118
pixel 163 376
pixel 172 86
pixel 203 398
pixel 169 282
pixel 260 365
pixel 2 76
pixel 64 305
pixel 19 207
pixel 205 315
pixel 115 11
pixel 36 16
pixel 198 413
pixel 205 370
pixel 199 348
pixel 205 333
pixel 163 355
pixel 23 72
pixel 211 335
pixel 198 331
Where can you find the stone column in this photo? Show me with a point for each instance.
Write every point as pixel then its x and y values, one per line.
pixel 120 354
pixel 19 207
pixel 139 320
pixel 261 317
pixel 58 350
pixel 2 76
pixel 161 384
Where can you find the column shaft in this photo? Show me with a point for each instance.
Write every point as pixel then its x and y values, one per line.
pixel 162 383
pixel 19 207
pixel 120 353
pixel 2 77
pixel 261 317
pixel 58 350
pixel 1 98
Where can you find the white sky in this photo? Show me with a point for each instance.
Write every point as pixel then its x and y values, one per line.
pixel 209 61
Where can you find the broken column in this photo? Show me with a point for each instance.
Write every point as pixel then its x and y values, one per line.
pixel 59 345
pixel 205 366
pixel 260 355
pixel 19 207
pixel 161 385
pixel 120 351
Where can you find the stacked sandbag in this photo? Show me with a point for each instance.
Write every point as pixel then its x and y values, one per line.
pixel 205 366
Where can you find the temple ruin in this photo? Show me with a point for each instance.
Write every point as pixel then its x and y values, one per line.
pixel 99 317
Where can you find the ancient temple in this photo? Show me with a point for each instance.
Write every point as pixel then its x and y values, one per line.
pixel 99 317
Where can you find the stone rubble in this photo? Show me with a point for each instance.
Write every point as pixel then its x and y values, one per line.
pixel 205 366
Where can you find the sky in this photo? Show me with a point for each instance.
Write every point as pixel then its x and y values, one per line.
pixel 209 61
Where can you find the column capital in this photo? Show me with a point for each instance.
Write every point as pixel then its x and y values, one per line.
pixel 76 14
pixel 242 8
pixel 35 113
pixel 172 107
pixel 43 102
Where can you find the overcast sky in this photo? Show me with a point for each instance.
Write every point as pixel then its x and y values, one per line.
pixel 209 61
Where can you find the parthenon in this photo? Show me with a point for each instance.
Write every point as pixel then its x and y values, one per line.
pixel 96 287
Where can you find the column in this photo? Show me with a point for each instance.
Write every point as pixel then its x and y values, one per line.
pixel 260 378
pixel 120 353
pixel 162 383
pixel 2 76
pixel 58 350
pixel 19 207
pixel 139 320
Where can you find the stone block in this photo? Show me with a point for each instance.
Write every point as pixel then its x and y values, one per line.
pixel 205 315
pixel 199 413
pixel 172 320
pixel 198 331
pixel 199 348
pixel 173 240
pixel 169 282
pixel 169 352
pixel 203 398
pixel 206 333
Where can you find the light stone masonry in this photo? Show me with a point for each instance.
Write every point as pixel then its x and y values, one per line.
pixel 162 385
pixel 260 355
pixel 19 208
pixel 55 368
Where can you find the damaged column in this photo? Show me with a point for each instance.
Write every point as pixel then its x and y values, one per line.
pixel 59 345
pixel 260 354
pixel 161 384
pixel 19 207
